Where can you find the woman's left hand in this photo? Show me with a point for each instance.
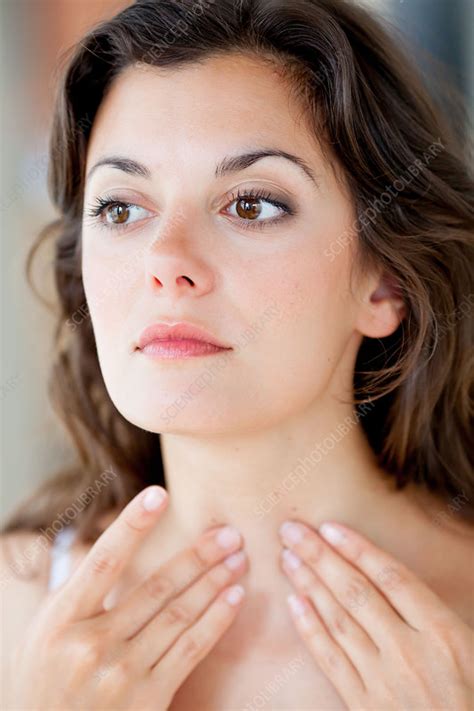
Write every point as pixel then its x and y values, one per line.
pixel 383 638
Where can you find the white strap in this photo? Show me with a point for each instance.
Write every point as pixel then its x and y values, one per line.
pixel 61 557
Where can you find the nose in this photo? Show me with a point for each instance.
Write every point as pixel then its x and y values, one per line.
pixel 173 276
pixel 173 266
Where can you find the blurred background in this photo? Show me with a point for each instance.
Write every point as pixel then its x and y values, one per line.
pixel 35 36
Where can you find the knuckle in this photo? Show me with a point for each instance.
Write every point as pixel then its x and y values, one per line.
pixel 356 592
pixel 52 641
pixel 307 586
pixel 132 524
pixel 191 647
pixel 446 634
pixel 357 553
pixel 158 586
pixel 314 551
pixel 338 623
pixel 56 607
pixel 197 560
pixel 332 661
pixel 105 561
pixel 120 673
pixel 391 576
pixel 217 578
pixel 86 651
pixel 442 628
pixel 176 614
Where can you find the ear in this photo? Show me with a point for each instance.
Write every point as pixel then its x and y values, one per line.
pixel 381 308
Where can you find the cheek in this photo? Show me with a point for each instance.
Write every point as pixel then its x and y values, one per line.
pixel 109 281
pixel 311 294
pixel 304 339
pixel 110 285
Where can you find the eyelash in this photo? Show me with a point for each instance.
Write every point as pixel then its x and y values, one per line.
pixel 102 203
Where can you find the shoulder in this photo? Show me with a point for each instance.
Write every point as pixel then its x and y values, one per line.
pixel 456 550
pixel 24 570
pixel 448 535
pixel 24 565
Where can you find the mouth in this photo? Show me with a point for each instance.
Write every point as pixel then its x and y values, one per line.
pixel 179 340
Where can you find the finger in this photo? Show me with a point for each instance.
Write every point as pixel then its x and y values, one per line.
pixel 82 594
pixel 350 587
pixel 328 655
pixel 341 626
pixel 171 578
pixel 182 612
pixel 411 597
pixel 174 667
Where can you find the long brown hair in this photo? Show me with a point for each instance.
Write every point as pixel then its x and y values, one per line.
pixel 408 175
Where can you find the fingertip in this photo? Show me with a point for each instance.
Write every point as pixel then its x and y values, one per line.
pixel 153 497
pixel 234 594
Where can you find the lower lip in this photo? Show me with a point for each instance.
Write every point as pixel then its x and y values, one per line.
pixel 182 348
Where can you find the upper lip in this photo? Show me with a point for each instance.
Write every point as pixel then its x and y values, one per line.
pixel 165 331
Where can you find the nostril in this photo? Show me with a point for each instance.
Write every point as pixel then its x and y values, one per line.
pixel 178 280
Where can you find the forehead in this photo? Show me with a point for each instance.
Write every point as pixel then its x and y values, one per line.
pixel 231 98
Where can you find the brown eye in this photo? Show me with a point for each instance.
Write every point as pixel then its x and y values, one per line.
pixel 248 209
pixel 114 214
pixel 122 212
pixel 258 210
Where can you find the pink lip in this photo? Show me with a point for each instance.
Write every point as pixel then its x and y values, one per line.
pixel 178 340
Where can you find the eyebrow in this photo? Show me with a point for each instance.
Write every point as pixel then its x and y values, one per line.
pixel 230 164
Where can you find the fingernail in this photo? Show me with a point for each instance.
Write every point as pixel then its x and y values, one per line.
pixel 332 534
pixel 153 499
pixel 296 604
pixel 235 594
pixel 227 537
pixel 293 560
pixel 291 531
pixel 235 560
pixel 110 600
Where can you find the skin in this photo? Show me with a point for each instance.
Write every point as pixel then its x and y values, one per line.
pixel 222 457
pixel 382 636
pixel 81 653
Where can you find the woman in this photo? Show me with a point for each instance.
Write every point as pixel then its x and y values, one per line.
pixel 264 256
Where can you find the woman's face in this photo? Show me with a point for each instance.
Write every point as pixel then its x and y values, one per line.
pixel 261 277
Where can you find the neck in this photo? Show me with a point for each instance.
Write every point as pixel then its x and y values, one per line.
pixel 312 467
pixel 315 466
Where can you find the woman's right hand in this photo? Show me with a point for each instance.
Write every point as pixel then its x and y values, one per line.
pixel 78 655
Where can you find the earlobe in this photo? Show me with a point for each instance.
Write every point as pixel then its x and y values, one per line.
pixel 384 311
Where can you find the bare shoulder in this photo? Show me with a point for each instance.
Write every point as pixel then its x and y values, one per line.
pixel 446 531
pixel 458 582
pixel 25 566
pixel 24 570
